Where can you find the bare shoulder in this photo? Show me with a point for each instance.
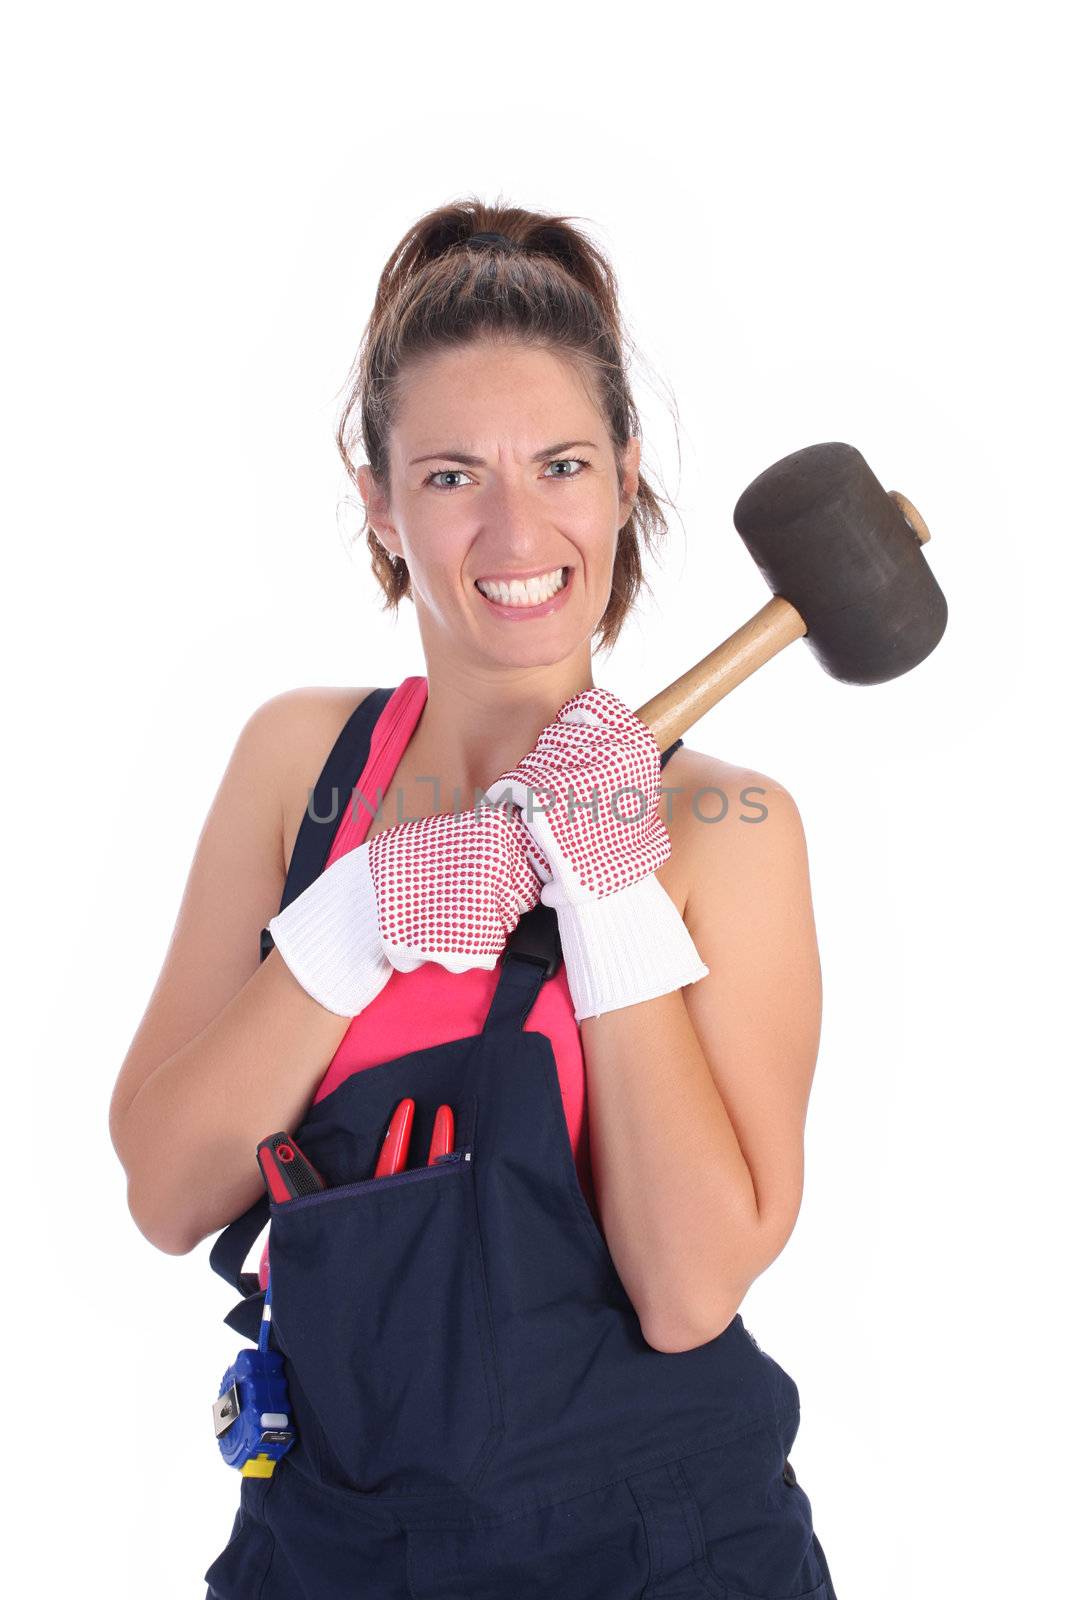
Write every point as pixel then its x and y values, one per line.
pixel 726 824
pixel 299 728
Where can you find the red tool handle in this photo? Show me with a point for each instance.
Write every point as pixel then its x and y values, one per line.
pixel 287 1172
pixel 394 1151
pixel 444 1134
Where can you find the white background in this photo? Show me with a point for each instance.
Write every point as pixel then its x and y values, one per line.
pixel 829 222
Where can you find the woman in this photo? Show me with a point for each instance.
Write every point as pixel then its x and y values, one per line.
pixel 521 1371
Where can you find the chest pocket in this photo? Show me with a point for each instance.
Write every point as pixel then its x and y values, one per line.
pixel 381 1308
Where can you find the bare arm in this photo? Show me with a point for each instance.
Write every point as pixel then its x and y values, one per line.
pixel 229 1050
pixel 698 1099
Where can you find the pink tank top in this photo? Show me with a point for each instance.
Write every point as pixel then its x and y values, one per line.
pixel 430 1006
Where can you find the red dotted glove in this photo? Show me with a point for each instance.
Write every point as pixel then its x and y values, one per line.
pixel 589 792
pixel 451 888
pixel 448 888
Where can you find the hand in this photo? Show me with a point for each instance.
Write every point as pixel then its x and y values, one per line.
pixel 588 793
pixel 448 888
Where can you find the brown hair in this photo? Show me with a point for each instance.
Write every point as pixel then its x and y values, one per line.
pixel 551 288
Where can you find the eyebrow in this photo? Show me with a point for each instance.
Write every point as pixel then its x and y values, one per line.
pixel 476 461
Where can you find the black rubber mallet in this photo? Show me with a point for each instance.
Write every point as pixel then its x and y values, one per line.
pixel 844 560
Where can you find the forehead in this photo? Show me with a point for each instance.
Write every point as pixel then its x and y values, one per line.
pixel 513 389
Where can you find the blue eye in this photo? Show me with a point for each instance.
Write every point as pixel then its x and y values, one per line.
pixel 455 472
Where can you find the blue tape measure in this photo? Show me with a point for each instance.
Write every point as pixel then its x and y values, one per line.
pixel 252 1423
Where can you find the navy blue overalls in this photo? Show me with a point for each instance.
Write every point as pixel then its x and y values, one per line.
pixel 478 1416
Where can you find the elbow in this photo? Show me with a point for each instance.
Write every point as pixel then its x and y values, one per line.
pixel 171 1240
pixel 171 1245
pixel 154 1220
pixel 673 1336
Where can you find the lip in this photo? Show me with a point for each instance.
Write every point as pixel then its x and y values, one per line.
pixel 523 613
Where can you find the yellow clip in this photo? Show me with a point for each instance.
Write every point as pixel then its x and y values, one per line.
pixel 258 1467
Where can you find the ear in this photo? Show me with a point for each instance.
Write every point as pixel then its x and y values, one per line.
pixel 631 464
pixel 376 505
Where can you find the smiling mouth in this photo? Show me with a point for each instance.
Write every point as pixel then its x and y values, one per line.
pixel 528 592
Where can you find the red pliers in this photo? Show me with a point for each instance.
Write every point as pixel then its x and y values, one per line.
pixel 394 1149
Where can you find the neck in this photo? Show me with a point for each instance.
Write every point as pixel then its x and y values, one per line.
pixel 478 723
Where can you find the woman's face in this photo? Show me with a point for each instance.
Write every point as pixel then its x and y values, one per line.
pixel 538 491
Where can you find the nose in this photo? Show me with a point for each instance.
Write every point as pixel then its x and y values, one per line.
pixel 521 526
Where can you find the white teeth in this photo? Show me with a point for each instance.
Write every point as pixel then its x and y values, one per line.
pixel 531 592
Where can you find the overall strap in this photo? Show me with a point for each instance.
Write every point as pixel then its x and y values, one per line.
pixel 318 827
pixel 531 957
pixel 323 815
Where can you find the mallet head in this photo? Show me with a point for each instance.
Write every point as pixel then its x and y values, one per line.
pixel 829 539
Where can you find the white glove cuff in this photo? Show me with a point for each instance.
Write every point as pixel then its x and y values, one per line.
pixel 627 947
pixel 330 940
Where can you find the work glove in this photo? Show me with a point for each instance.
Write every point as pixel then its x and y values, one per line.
pixel 588 794
pixel 448 888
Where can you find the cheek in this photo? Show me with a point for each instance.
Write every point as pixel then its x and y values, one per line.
pixel 438 546
pixel 593 535
pixel 600 548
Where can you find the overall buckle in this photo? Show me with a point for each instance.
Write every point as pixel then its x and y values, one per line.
pixel 535 937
